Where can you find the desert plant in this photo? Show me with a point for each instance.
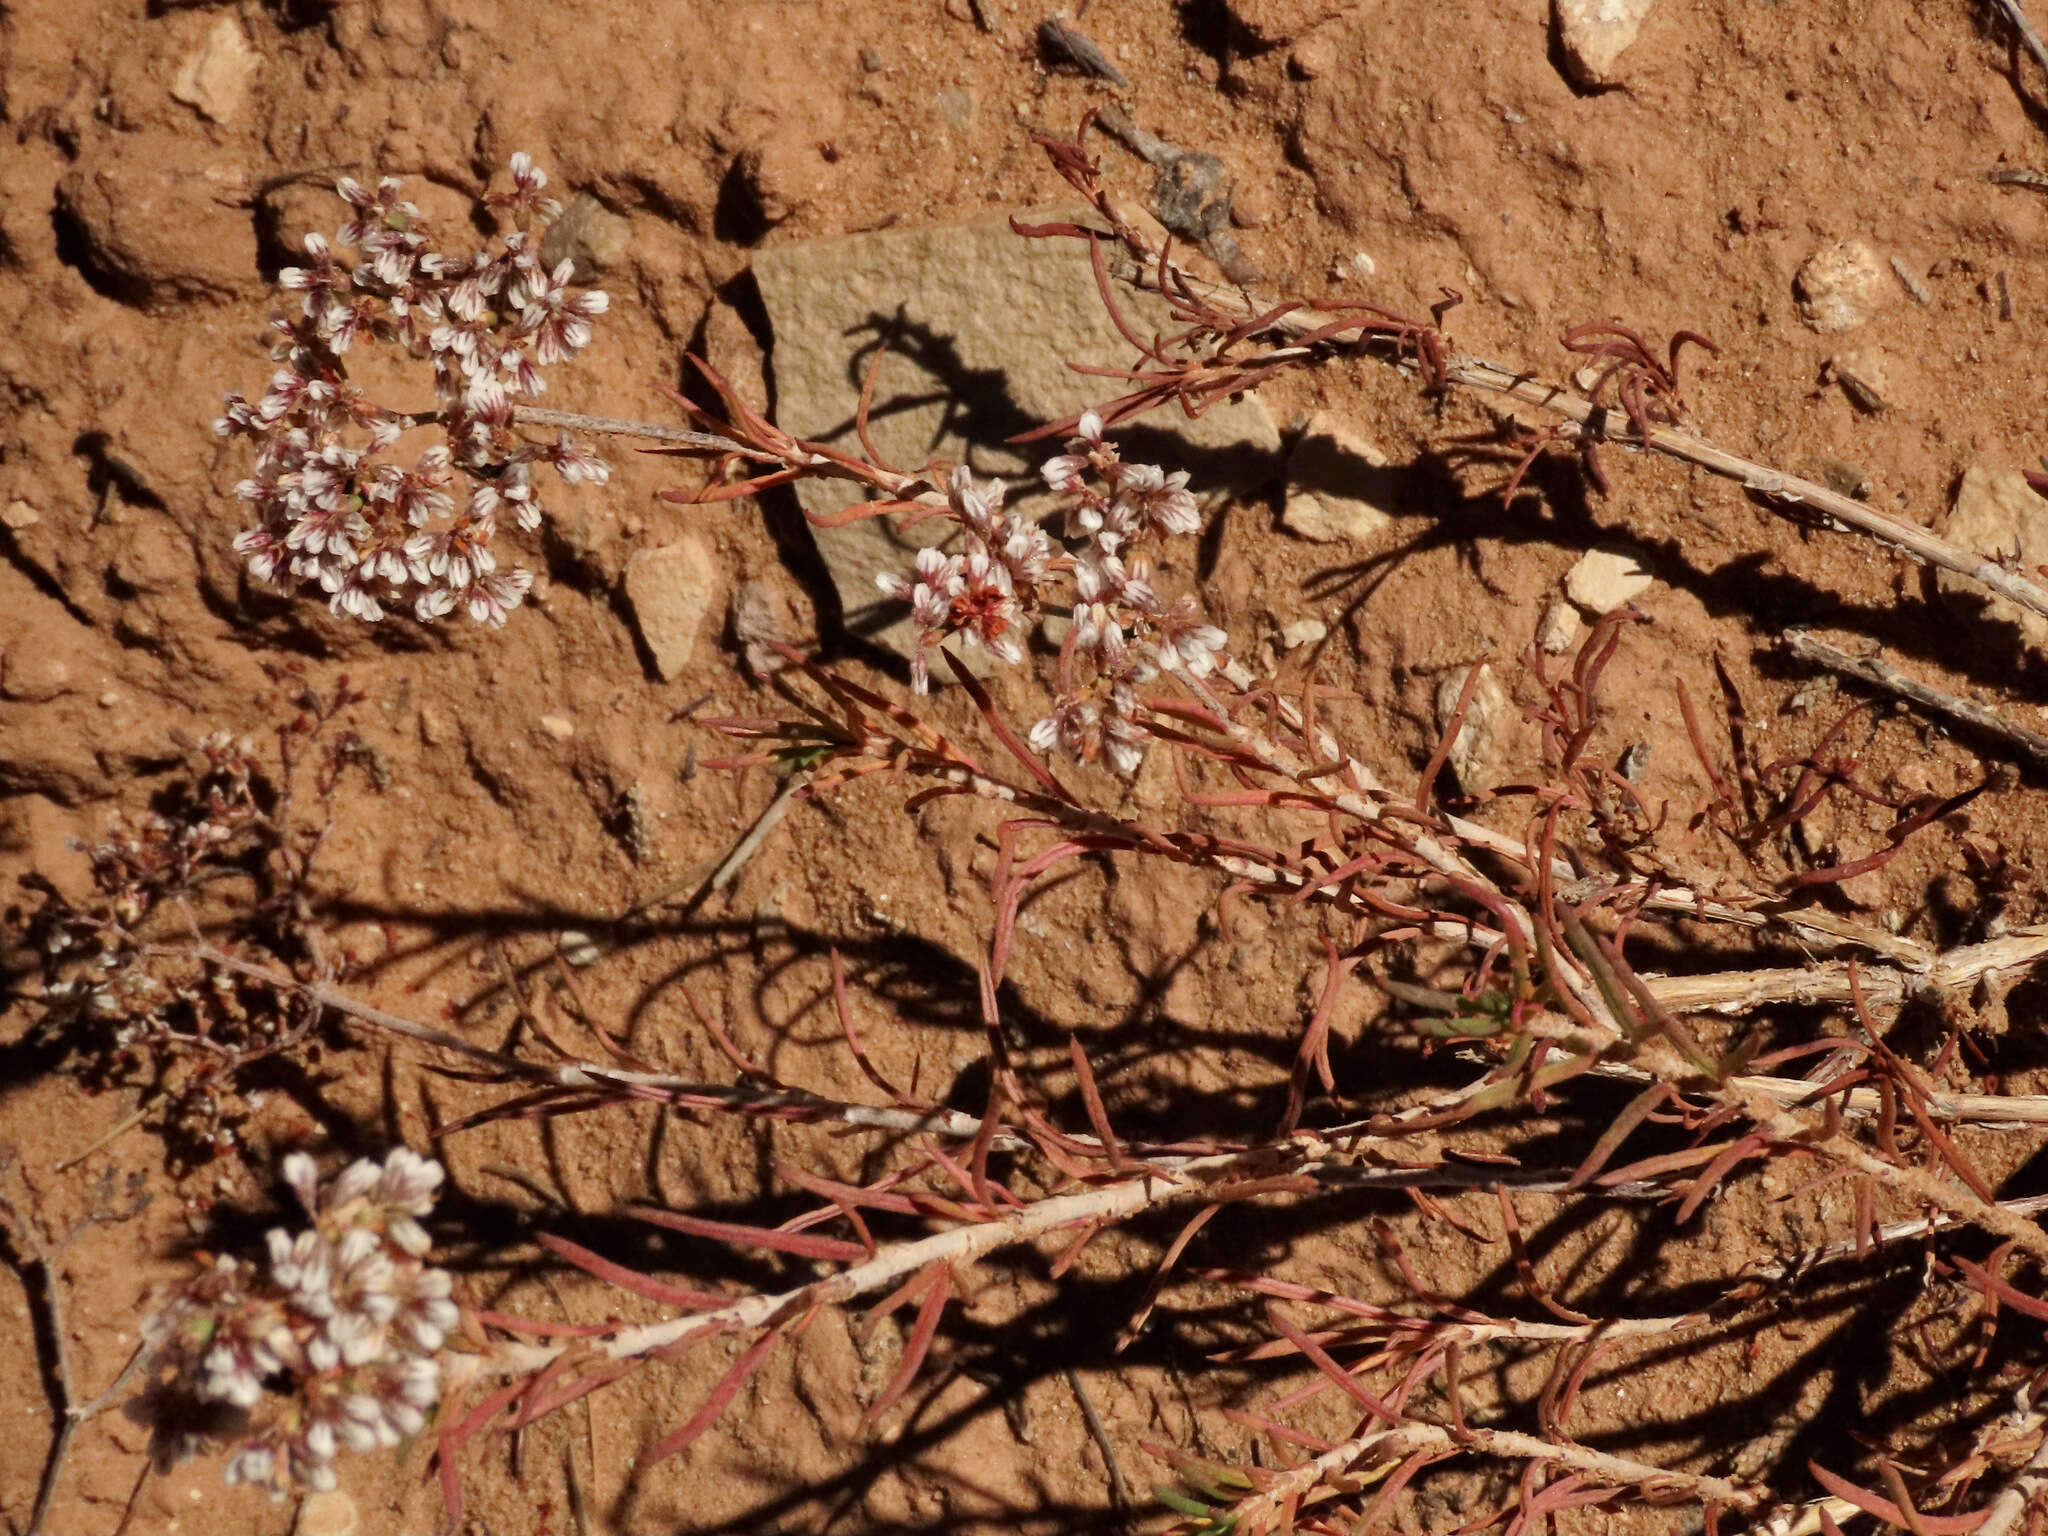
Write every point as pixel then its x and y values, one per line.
pixel 1574 1022
pixel 118 998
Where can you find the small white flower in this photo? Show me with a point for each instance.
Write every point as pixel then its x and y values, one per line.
pixel 251 1464
pixel 357 1180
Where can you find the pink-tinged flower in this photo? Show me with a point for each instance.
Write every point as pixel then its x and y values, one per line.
pixel 1123 738
pixel 1187 641
pixel 521 377
pixel 977 506
pixel 526 176
pixel 491 598
pixel 1103 592
pixel 341 321
pixel 523 505
pixel 983 608
pixel 264 551
pixel 485 398
pixel 302 1174
pixel 329 527
pixel 318 277
pixel 386 428
pixel 930 591
pixel 1028 554
pixel 1089 730
pixel 526 197
pixel 240 418
pixel 1067 473
pixel 558 320
pixel 1088 514
pixel 1097 632
pixel 434 603
pixel 576 463
pixel 255 1465
pixel 379 214
pixel 460 556
pixel 1162 500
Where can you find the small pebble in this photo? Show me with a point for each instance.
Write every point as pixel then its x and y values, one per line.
pixel 1865 377
pixel 1607 578
pixel 1560 628
pixel 326 1514
pixel 557 727
pixel 1911 281
pixel 1841 286
pixel 1303 632
pixel 577 947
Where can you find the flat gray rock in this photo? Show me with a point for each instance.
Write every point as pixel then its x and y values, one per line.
pixel 980 325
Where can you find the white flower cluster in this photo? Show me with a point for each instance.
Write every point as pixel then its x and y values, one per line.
pixel 984 594
pixel 331 1342
pixel 330 507
pixel 1122 631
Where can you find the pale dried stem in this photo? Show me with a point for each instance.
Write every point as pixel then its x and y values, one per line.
pixel 1390 1445
pixel 1610 424
pixel 1829 981
pixel 1878 673
pixel 576 421
pixel 2004 1512
pixel 1678 900
pixel 2027 1486
pixel 1193 1178
pixel 1891 1232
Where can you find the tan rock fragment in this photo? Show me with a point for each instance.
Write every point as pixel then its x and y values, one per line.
pixel 1595 33
pixel 1607 578
pixel 1997 515
pixel 1281 21
pixel 1327 499
pixel 1865 376
pixel 1560 628
pixel 981 325
pixel 150 228
pixel 671 592
pixel 214 78
pixel 1840 286
pixel 332 1513
pixel 1479 750
pixel 588 234
pixel 1304 632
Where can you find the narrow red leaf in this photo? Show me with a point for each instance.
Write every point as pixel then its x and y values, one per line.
pixel 1136 1325
pixel 937 1291
pixel 1873 1504
pixel 727 1389
pixel 1091 1100
pixel 804 1245
pixel 1320 1358
pixel 629 1279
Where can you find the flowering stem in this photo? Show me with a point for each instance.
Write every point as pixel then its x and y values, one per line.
pixel 576 421
pixel 1203 1177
